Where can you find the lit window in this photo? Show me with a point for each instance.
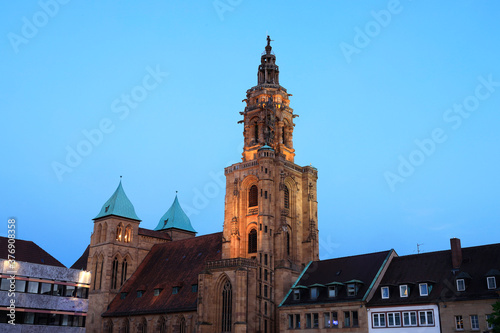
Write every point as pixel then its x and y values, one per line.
pixel 459 323
pixel 314 293
pixel 378 320
pixel 385 292
pixel 410 318
pixel 460 285
pixel 426 318
pixel 403 291
pixel 424 291
pixel 128 234
pixel 492 283
pixel 332 292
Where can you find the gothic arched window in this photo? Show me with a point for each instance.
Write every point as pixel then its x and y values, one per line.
pixel 286 198
pixel 97 236
pixel 163 325
pixel 256 132
pixel 95 273
pixel 252 241
pixel 182 326
pixel 114 273
pixel 126 326
pixel 253 196
pixel 104 231
pixel 128 234
pixel 143 326
pixel 119 231
pixel 227 307
pixel 124 271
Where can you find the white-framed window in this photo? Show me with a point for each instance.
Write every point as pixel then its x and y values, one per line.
pixel 424 289
pixel 332 291
pixel 410 318
pixel 378 320
pixel 403 290
pixel 351 289
pixel 474 322
pixel 385 292
pixel 393 319
pixel 488 325
pixel 492 283
pixel 459 322
pixel 296 294
pixel 460 284
pixel 314 292
pixel 426 318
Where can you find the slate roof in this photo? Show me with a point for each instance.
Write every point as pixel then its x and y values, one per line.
pixel 119 205
pixel 28 251
pixel 364 268
pixel 175 218
pixel 154 234
pixel 81 263
pixel 435 268
pixel 168 265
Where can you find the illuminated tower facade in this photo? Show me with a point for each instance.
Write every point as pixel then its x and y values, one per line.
pixel 270 219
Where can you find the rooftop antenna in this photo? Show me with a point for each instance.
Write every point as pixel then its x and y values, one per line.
pixel 418 247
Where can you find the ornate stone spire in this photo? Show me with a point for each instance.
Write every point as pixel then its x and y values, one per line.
pixel 268 70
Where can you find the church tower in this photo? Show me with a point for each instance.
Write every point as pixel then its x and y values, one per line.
pixel 270 219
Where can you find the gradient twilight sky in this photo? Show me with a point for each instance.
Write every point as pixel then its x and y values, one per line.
pixel 373 82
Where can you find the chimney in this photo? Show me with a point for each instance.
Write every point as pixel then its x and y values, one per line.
pixel 456 252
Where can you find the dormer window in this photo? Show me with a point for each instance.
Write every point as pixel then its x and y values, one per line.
pixel 403 290
pixel 351 289
pixel 492 283
pixel 314 293
pixel 332 291
pixel 460 284
pixel 175 290
pixel 296 295
pixel 424 290
pixel 157 291
pixel 140 293
pixel 385 292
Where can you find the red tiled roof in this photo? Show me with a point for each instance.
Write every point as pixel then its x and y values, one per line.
pixel 154 234
pixel 363 268
pixel 435 268
pixel 28 251
pixel 81 263
pixel 168 265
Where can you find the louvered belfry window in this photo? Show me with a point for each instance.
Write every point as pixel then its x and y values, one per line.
pixel 253 196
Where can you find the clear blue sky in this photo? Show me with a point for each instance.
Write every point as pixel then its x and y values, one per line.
pixel 398 103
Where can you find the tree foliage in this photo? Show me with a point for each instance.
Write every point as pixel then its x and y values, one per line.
pixel 495 317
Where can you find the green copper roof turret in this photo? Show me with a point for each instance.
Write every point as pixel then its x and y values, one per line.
pixel 118 205
pixel 175 218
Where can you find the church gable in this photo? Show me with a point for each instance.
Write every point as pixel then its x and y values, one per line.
pixel 166 280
